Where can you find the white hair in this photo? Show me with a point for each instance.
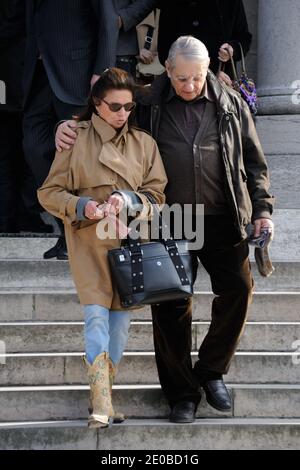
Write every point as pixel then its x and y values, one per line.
pixel 189 47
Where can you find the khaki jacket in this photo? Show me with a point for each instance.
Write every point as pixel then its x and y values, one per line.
pixel 99 163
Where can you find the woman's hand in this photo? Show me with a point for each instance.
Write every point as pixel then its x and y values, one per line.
pixel 94 211
pixel 223 77
pixel 114 205
pixel 225 52
pixel 146 56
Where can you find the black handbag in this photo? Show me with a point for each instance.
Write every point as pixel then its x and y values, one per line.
pixel 153 272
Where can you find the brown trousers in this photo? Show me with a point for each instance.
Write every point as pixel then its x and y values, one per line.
pixel 227 263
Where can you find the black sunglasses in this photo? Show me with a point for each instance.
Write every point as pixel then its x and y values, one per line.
pixel 115 107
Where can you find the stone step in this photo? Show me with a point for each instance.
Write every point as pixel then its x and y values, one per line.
pixel 52 403
pixel 53 274
pixel 63 305
pixel 140 368
pixel 69 337
pixel 204 434
pixel 284 248
pixel 285 183
pixel 279 134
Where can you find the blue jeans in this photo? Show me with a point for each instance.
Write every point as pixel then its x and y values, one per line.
pixel 105 331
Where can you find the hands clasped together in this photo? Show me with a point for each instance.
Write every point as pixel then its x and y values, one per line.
pixel 108 214
pixel 110 208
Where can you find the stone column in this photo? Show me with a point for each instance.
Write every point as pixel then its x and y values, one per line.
pixel 278 76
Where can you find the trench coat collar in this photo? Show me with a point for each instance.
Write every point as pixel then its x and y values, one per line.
pixel 107 132
pixel 111 155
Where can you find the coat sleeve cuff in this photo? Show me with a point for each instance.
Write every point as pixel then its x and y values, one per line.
pixel 80 207
pixel 133 202
pixel 264 214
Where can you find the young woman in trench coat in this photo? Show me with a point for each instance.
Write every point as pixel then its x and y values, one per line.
pixel 109 168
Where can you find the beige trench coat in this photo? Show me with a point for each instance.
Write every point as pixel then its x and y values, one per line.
pixel 100 162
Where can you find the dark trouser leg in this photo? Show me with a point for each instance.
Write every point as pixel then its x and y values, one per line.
pixel 17 184
pixel 173 343
pixel 11 146
pixel 229 269
pixel 38 126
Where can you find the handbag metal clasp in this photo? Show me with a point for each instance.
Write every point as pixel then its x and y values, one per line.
pixel 175 245
pixel 137 254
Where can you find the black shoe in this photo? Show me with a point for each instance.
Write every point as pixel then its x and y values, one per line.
pixel 217 395
pixel 183 412
pixel 59 250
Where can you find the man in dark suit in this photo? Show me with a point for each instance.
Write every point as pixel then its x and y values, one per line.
pixel 65 52
pixel 16 180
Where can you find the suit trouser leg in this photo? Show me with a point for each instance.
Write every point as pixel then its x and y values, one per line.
pixel 230 273
pixel 172 334
pixel 38 126
pixel 228 266
pixel 10 138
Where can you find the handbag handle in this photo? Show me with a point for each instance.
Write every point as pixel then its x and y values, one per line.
pixel 234 71
pixel 136 255
pixel 149 38
pixel 243 60
pixel 134 242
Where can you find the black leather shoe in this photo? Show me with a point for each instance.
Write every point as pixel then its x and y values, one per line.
pixel 59 250
pixel 217 395
pixel 183 412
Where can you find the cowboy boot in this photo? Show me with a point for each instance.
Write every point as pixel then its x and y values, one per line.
pixel 117 417
pixel 100 397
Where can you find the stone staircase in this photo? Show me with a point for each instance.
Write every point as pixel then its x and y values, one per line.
pixel 43 385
